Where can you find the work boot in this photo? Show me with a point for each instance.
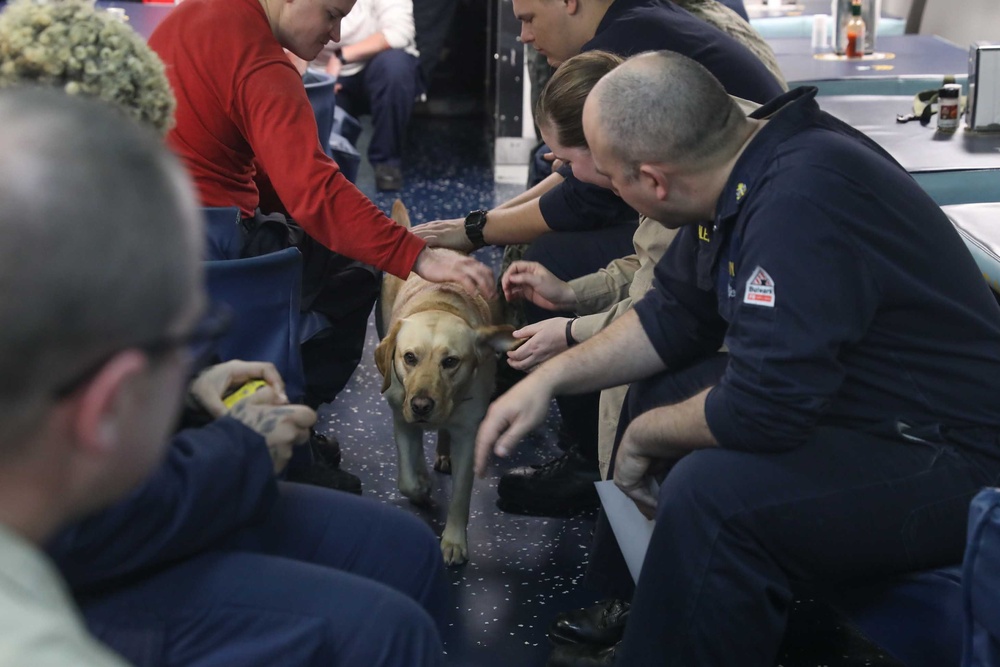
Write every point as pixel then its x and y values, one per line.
pixel 388 177
pixel 562 487
pixel 325 449
pixel 324 470
pixel 600 624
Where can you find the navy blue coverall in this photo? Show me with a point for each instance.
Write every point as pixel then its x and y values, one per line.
pixel 211 562
pixel 856 411
pixel 595 225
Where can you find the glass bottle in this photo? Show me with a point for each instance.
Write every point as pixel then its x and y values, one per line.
pixel 853 35
pixel 948 102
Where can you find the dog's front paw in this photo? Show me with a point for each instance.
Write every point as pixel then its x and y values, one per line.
pixel 455 552
pixel 443 464
pixel 417 490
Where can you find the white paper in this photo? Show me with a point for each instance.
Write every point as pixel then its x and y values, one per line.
pixel 632 530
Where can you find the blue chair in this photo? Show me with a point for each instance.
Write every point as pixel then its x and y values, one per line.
pixel 257 332
pixel 319 89
pixel 265 294
pixel 224 237
pixel 915 618
pixel 346 125
pixel 346 156
pixel 332 122
pixel 981 588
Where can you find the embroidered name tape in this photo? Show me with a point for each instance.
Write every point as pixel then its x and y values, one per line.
pixel 760 289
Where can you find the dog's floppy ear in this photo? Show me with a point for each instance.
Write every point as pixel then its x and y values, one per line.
pixel 384 353
pixel 499 337
pixel 400 214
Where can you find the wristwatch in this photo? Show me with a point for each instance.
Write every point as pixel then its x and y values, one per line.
pixel 474 223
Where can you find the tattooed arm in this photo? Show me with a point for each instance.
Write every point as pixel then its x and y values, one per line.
pixel 283 426
pixel 266 411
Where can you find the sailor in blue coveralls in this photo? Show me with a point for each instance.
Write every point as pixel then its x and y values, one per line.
pixel 854 415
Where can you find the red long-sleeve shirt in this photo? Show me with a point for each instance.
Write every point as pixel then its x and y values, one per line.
pixel 238 97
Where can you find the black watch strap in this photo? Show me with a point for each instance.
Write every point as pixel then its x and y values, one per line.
pixel 474 224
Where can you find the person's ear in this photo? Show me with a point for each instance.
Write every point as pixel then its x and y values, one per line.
pixel 654 178
pixel 103 402
pixel 572 6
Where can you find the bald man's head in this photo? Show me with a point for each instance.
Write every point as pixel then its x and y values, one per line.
pixel 662 107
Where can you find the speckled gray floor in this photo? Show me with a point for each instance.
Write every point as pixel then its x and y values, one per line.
pixel 523 570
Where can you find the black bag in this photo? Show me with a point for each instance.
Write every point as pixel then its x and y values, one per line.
pixel 342 289
pixel 264 234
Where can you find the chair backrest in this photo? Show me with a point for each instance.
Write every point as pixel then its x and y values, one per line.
pixel 915 618
pixel 981 582
pixel 346 156
pixel 265 294
pixel 346 125
pixel 223 236
pixel 319 88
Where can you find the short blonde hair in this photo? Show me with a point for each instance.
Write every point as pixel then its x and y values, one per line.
pixel 85 51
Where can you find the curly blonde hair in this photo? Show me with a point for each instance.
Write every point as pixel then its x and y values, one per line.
pixel 86 51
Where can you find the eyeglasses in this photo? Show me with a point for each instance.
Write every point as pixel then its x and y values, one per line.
pixel 198 344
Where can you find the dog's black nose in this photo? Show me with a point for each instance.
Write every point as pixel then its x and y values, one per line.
pixel 421 406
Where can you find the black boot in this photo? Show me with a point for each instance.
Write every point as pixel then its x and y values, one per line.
pixel 601 624
pixel 324 470
pixel 325 449
pixel 561 487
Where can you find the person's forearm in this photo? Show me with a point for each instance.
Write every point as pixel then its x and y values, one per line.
pixel 672 431
pixel 366 49
pixel 620 354
pixel 518 224
pixel 539 189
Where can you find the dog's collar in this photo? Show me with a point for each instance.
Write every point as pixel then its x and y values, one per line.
pixel 450 308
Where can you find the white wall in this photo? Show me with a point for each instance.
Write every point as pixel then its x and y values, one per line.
pixel 897 8
pixel 962 21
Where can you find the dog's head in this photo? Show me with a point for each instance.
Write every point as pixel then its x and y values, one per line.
pixel 434 356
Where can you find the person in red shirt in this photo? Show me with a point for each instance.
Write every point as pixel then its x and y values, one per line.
pixel 241 103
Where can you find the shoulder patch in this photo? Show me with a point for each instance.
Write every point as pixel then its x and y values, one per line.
pixel 759 289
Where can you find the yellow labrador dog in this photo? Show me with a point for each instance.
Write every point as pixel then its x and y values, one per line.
pixel 438 364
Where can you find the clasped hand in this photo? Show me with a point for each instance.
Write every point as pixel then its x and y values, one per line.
pixel 267 411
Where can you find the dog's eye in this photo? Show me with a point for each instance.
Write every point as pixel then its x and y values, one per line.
pixel 449 362
pixel 410 359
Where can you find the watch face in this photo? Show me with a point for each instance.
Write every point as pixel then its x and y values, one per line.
pixel 476 219
pixel 474 223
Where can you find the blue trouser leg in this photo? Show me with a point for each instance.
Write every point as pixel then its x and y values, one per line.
pixel 735 529
pixel 570 255
pixel 388 87
pixel 326 579
pixel 606 569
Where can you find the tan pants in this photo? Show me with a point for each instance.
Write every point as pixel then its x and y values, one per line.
pixel 612 400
